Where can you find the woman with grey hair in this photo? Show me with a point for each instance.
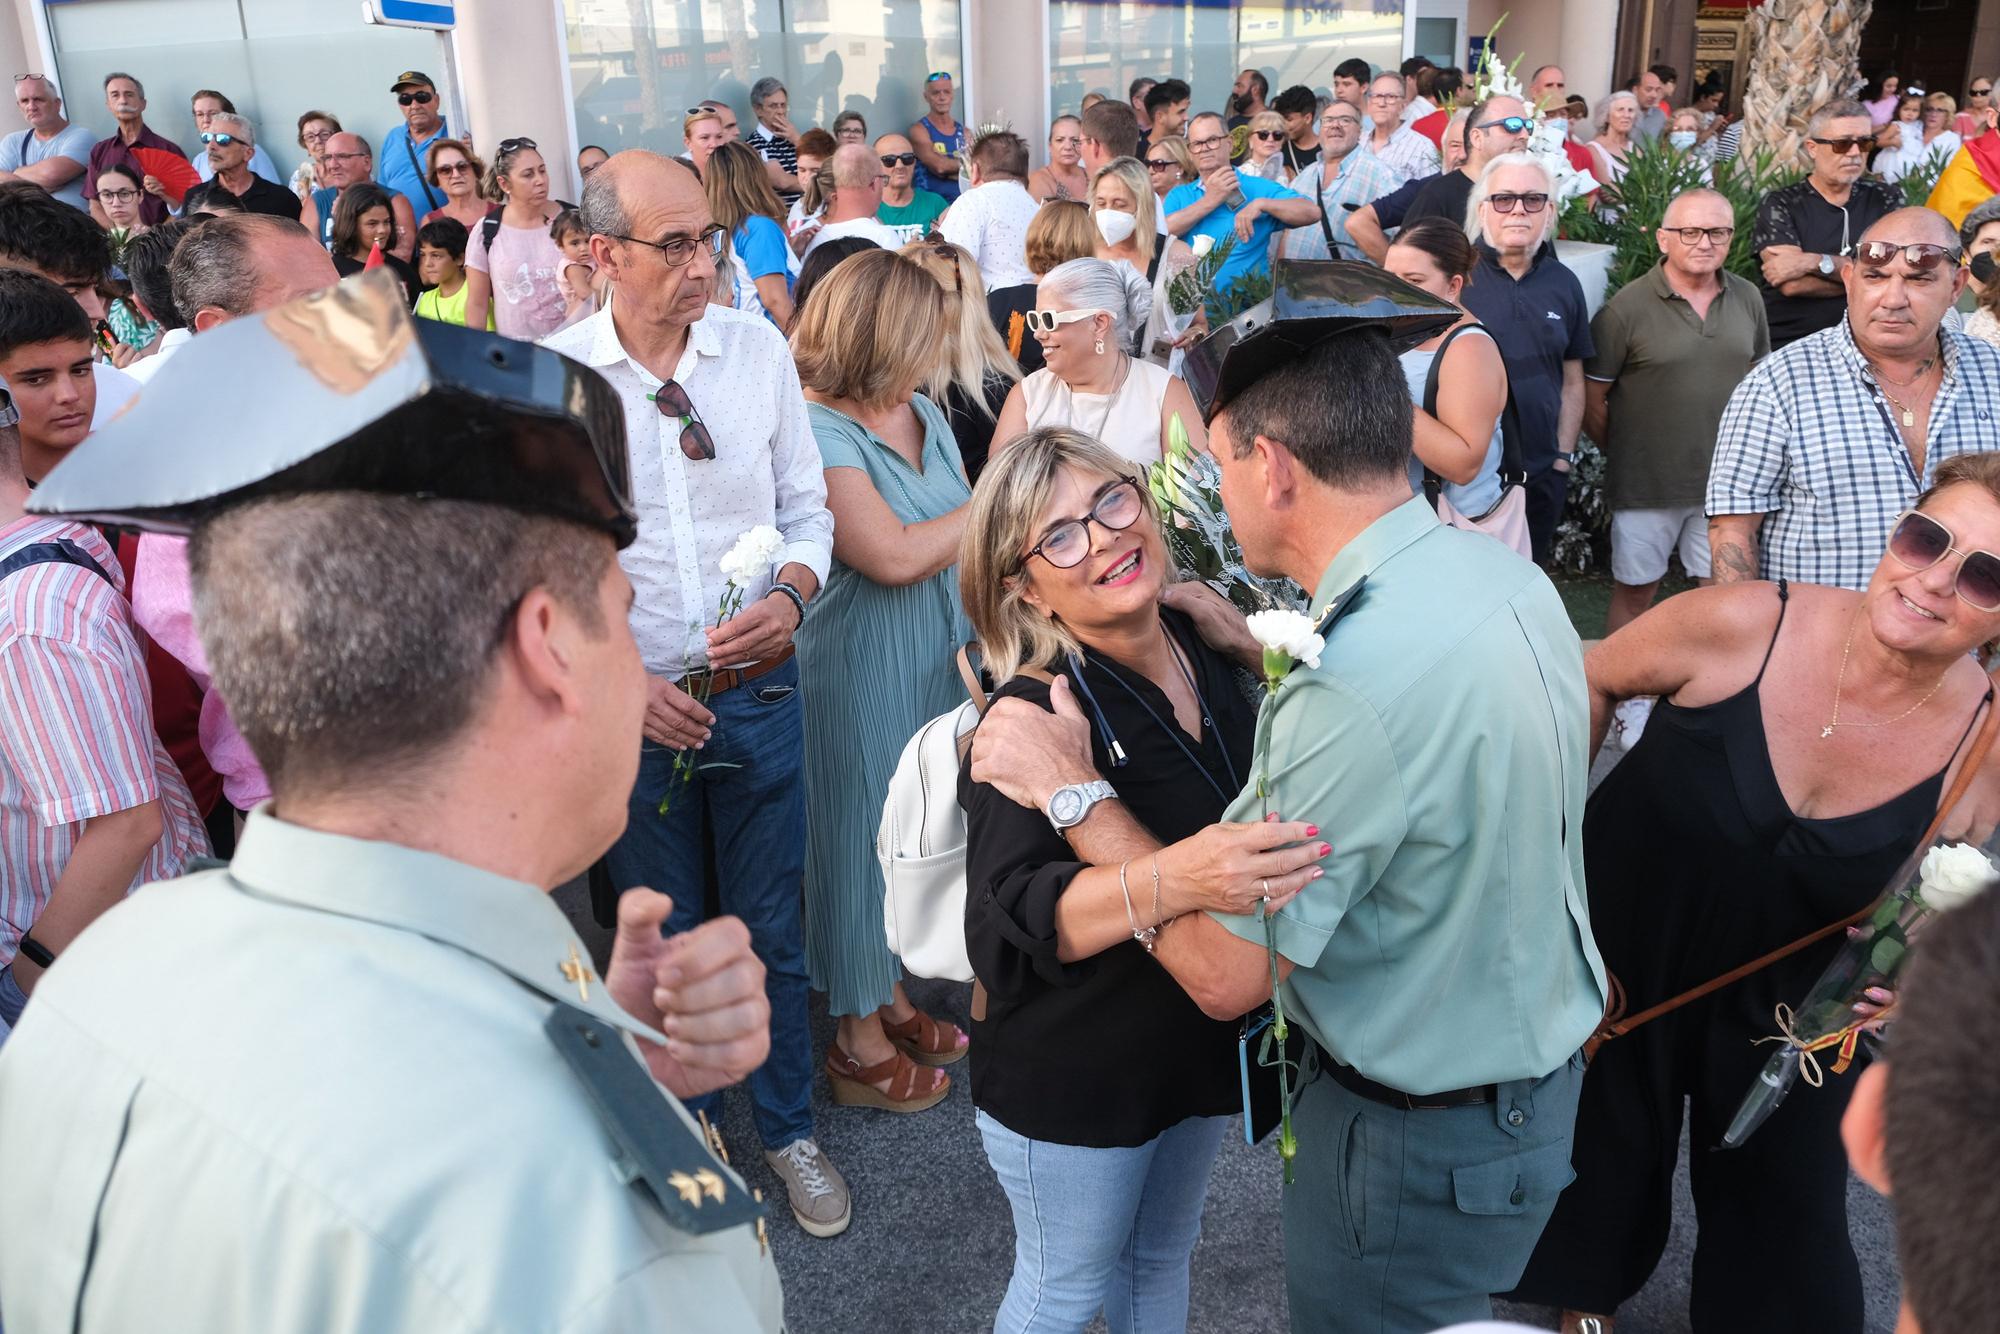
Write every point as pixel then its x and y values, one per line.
pixel 1979 234
pixel 1616 115
pixel 1086 313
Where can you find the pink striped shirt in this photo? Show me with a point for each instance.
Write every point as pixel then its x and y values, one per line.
pixel 76 725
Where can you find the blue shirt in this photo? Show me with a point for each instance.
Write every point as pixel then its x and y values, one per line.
pixel 761 243
pixel 1252 256
pixel 394 172
pixel 1539 321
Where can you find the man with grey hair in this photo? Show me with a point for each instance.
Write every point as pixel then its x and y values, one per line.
pixel 51 152
pixel 126 100
pixel 1805 230
pixel 205 105
pixel 721 443
pixel 857 197
pixel 1407 154
pixel 774 138
pixel 230 139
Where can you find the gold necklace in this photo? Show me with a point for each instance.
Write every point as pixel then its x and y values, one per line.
pixel 1841 679
pixel 1908 413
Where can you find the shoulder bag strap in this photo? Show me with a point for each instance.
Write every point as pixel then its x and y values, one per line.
pixel 1325 227
pixel 61 551
pixel 975 688
pixel 1616 1026
pixel 1434 484
pixel 422 184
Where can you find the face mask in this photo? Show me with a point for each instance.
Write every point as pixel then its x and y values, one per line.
pixel 1984 267
pixel 1682 139
pixel 1115 226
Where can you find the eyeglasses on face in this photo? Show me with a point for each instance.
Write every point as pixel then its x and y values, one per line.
pixel 316 136
pixel 1047 321
pixel 1509 201
pixel 697 444
pixel 1511 124
pixel 212 137
pixel 453 168
pixel 1693 235
pixel 1983 92
pixel 1155 165
pixel 1918 542
pixel 1922 256
pixel 678 250
pixel 1066 544
pixel 1845 145
pixel 346 157
pixel 899 159
pixel 1198 144
pixel 1269 136
pixel 117 196
pixel 1352 122
pixel 1385 97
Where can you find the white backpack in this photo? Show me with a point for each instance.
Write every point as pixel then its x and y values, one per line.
pixel 921 842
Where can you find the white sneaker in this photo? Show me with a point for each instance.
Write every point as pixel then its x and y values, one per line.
pixel 1628 720
pixel 813 1187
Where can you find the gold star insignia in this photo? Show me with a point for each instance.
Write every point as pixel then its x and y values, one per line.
pixel 711 1184
pixel 689 1188
pixel 574 969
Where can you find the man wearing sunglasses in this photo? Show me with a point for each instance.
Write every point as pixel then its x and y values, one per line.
pixel 719 441
pixel 905 210
pixel 1804 230
pixel 1498 125
pixel 230 141
pixel 1829 439
pixel 407 147
pixel 205 106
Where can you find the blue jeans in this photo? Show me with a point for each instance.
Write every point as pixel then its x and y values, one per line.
pixel 750 795
pixel 12 1002
pixel 1102 1228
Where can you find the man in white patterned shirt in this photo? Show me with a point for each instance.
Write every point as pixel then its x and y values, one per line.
pixel 1395 145
pixel 990 218
pixel 1828 439
pixel 720 444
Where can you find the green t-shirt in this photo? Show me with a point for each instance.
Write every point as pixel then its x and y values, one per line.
pixel 913 221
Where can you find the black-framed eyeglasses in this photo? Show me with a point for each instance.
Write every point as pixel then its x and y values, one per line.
pixel 1692 235
pixel 1923 256
pixel 1511 124
pixel 118 196
pixel 212 137
pixel 515 145
pixel 1065 545
pixel 1918 541
pixel 678 250
pixel 899 159
pixel 1198 144
pixel 420 98
pixel 1169 165
pixel 697 444
pixel 1268 135
pixel 1508 201
pixel 1845 144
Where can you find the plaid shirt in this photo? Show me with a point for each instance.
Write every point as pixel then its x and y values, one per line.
pixel 1408 155
pixel 1809 440
pixel 1358 179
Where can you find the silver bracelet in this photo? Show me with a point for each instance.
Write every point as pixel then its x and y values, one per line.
pixel 1157 923
pixel 1143 934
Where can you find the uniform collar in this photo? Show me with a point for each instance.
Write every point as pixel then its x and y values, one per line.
pixel 601 346
pixel 1374 546
pixel 510 924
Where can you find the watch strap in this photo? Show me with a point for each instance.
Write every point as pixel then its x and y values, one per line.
pixel 36 952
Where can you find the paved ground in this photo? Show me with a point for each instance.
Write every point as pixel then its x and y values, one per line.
pixel 932 1244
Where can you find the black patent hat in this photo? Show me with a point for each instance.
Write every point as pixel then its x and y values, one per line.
pixel 1311 301
pixel 344 390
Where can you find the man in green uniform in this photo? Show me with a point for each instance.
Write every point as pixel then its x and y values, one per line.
pixel 364 1078
pixel 1442 964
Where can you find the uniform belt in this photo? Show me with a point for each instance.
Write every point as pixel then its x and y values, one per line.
pixel 728 678
pixel 1362 1086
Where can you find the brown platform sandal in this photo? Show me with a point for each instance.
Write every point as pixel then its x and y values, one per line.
pixel 926 1041
pixel 854 1084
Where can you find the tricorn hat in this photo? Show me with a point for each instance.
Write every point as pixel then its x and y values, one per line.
pixel 344 390
pixel 1311 301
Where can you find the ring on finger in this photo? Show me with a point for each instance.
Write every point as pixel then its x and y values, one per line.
pixel 1265 885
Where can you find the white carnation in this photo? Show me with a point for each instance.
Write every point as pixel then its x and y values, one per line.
pixel 753 555
pixel 1288 632
pixel 1951 874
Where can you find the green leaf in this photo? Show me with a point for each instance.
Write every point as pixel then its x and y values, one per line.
pixel 1888 953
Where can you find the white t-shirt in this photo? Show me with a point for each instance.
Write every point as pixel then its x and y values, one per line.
pixel 115 388
pixel 525 269
pixel 991 221
pixel 24 148
pixel 868 229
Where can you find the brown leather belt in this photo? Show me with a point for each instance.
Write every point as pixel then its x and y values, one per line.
pixel 728 678
pixel 1362 1086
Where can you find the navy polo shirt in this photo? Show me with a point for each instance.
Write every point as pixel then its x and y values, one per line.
pixel 1539 321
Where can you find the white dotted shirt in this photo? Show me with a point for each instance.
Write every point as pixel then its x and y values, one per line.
pixel 991 221
pixel 738 372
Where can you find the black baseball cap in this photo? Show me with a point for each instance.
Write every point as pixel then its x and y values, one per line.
pixel 412 78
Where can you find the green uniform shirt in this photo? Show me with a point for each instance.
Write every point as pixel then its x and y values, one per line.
pixel 312 1092
pixel 1442 748
pixel 913 221
pixel 1671 376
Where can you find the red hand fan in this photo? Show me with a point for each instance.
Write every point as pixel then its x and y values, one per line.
pixel 175 173
pixel 375 260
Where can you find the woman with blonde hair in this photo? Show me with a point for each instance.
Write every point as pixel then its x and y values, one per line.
pixel 1124 209
pixel 1266 157
pixel 1169 162
pixel 741 199
pixel 1061 231
pixel 701 135
pixel 877 648
pixel 1927 139
pixel 972 377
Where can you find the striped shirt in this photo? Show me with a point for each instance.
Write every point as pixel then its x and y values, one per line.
pixel 1809 440
pixel 76 726
pixel 1408 155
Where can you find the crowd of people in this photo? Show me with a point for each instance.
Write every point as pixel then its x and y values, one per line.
pixel 935 373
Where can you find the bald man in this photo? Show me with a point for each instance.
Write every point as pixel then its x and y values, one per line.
pixel 1832 436
pixel 858 176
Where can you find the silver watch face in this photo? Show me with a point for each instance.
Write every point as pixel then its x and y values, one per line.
pixel 1066 805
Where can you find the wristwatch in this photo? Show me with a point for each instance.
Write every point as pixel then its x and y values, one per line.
pixel 1828 266
pixel 1069 805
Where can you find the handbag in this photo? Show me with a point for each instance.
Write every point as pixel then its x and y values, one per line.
pixel 1616 1024
pixel 1507 521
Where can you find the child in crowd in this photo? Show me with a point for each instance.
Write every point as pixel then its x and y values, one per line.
pixel 441 265
pixel 579 275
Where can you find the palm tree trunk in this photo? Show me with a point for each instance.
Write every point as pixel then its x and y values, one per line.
pixel 1803 54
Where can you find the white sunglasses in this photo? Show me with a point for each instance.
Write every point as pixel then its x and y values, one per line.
pixel 1045 321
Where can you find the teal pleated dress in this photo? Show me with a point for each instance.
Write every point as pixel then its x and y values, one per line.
pixel 875 665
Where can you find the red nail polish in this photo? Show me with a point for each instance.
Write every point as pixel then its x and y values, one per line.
pixel 1312 831
pixel 1325 848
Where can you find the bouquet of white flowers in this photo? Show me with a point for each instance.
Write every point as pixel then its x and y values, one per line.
pixel 750 559
pixel 1188 489
pixel 1493 78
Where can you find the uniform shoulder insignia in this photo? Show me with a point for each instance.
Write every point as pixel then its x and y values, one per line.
pixel 671 1158
pixel 1342 603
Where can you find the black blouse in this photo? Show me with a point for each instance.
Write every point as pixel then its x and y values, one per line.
pixel 1108 1051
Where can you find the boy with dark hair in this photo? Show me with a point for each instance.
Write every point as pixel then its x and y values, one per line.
pixel 1167 109
pixel 441 264
pixel 1350 83
pixel 43 235
pixel 146 259
pixel 45 355
pixel 1299 105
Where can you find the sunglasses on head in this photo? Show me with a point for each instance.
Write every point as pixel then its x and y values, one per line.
pixel 1845 145
pixel 422 97
pixel 1047 321
pixel 1507 201
pixel 935 75
pixel 1511 124
pixel 1922 256
pixel 672 401
pixel 225 140
pixel 515 145
pixel 1918 541
pixel 898 159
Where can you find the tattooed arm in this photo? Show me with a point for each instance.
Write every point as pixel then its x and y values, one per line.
pixel 1732 545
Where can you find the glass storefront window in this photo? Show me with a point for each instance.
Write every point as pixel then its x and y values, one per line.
pixel 637 65
pixel 1102 45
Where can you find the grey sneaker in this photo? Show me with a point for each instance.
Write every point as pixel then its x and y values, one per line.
pixel 815 1189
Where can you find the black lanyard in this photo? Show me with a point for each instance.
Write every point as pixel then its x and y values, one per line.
pixel 1207 714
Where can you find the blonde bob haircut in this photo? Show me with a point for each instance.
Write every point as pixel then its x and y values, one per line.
pixel 1131 173
pixel 1006 512
pixel 973 354
pixel 1062 231
pixel 870 330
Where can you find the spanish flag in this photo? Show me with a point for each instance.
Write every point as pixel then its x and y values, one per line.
pixel 1969 179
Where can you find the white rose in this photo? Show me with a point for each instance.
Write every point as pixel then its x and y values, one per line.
pixel 1953 873
pixel 1288 632
pixel 1201 245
